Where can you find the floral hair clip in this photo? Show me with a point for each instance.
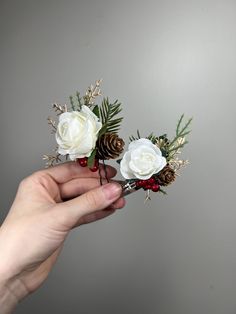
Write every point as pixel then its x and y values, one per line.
pixel 88 132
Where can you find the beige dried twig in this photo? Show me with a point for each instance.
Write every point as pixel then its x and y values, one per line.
pixel 51 159
pixel 92 92
pixel 176 164
pixel 52 123
pixel 59 108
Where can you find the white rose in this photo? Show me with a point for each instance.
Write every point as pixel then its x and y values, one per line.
pixel 142 160
pixel 77 133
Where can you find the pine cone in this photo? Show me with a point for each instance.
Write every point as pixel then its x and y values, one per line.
pixel 166 176
pixel 109 146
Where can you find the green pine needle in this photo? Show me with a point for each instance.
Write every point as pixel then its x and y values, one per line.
pixel 135 138
pixel 76 102
pixel 91 158
pixel 178 125
pixel 79 102
pixel 107 112
pixel 180 132
pixel 96 111
pixel 163 192
pixel 72 103
pixel 152 138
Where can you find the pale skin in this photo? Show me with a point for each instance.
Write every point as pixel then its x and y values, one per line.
pixel 48 205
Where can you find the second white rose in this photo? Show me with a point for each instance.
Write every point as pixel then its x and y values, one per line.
pixel 142 160
pixel 77 133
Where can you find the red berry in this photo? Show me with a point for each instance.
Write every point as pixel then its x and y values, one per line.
pixel 83 161
pixel 148 186
pixel 155 188
pixel 144 182
pixel 139 183
pixel 151 181
pixel 95 166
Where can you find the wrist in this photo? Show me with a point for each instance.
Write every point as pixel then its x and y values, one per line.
pixel 12 290
pixel 8 301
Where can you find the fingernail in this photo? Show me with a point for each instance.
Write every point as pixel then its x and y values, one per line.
pixel 112 190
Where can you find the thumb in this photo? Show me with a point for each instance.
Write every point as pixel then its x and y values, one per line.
pixel 87 203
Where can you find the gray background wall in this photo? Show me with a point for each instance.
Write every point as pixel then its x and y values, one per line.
pixel 177 254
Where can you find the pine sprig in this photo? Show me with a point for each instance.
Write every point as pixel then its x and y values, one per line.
pixel 178 124
pixel 76 102
pixel 181 132
pixel 135 138
pixel 107 112
pixel 162 191
pixel 152 138
pixel 179 139
pixel 177 147
pixel 79 100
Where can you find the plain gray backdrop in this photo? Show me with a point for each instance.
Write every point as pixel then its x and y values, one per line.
pixel 176 254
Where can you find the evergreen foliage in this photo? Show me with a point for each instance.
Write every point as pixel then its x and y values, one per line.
pixel 107 112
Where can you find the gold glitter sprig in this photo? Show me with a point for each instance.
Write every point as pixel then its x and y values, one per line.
pixel 53 124
pixel 92 92
pixel 175 148
pixel 59 108
pixel 176 164
pixel 51 159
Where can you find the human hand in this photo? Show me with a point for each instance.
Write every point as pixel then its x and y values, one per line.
pixel 48 204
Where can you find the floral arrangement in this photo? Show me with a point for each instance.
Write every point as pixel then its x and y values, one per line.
pixel 88 132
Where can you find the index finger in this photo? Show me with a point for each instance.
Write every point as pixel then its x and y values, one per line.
pixel 71 170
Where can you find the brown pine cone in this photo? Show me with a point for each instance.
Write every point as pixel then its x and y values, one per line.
pixel 109 146
pixel 166 176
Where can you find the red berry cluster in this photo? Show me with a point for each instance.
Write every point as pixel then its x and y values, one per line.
pixel 84 163
pixel 150 184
